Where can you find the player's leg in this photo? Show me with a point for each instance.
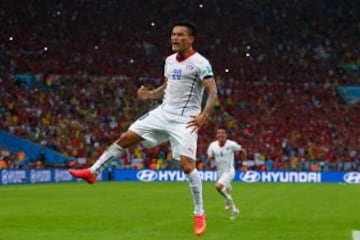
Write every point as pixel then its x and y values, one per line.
pixel 127 139
pixel 223 186
pixel 113 152
pixel 186 153
pixel 140 130
pixel 223 191
pixel 188 166
pixel 234 210
pixel 184 147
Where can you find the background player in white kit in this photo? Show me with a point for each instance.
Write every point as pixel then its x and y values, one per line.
pixel 177 119
pixel 221 152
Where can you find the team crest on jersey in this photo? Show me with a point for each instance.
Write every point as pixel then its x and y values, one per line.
pixel 190 66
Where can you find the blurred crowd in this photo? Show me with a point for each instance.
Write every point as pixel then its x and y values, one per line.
pixel 277 68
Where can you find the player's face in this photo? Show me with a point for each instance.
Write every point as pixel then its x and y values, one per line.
pixel 181 41
pixel 221 135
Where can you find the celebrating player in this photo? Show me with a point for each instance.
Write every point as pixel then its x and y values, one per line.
pixel 178 119
pixel 221 152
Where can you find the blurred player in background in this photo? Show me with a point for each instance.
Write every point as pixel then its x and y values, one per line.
pixel 178 119
pixel 222 152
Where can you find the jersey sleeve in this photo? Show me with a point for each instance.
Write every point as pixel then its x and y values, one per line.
pixel 165 68
pixel 236 146
pixel 205 69
pixel 210 152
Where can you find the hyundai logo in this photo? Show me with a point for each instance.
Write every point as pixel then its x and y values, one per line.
pixel 352 177
pixel 250 176
pixel 4 177
pixel 146 175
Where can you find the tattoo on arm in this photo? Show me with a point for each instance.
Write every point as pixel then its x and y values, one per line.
pixel 211 88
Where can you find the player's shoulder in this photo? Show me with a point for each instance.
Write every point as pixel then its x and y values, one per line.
pixel 212 144
pixel 171 58
pixel 198 57
pixel 231 142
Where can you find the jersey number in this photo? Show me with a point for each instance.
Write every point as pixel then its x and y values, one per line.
pixel 176 74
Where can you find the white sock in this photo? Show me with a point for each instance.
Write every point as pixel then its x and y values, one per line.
pixel 228 198
pixel 113 152
pixel 226 195
pixel 196 190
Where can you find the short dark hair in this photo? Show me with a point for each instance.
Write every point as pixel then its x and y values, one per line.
pixel 222 128
pixel 189 25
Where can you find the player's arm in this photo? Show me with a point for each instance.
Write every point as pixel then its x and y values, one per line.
pixel 208 162
pixel 211 88
pixel 210 157
pixel 236 147
pixel 143 93
pixel 244 154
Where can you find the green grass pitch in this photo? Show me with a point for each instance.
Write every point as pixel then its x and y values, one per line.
pixel 154 211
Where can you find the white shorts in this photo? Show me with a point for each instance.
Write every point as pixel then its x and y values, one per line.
pixel 225 178
pixel 159 126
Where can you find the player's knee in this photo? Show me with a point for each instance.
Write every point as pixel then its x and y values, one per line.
pixel 187 164
pixel 128 139
pixel 187 168
pixel 218 186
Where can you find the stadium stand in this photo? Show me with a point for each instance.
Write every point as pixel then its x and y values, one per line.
pixel 69 71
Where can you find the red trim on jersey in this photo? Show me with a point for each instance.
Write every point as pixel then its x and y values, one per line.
pixel 221 144
pixel 181 58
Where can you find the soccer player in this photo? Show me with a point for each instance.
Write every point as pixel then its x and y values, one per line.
pixel 177 120
pixel 221 152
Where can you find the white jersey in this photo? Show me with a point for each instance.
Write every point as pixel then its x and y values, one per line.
pixel 184 90
pixel 223 155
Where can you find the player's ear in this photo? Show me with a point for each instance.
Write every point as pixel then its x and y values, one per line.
pixel 192 38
